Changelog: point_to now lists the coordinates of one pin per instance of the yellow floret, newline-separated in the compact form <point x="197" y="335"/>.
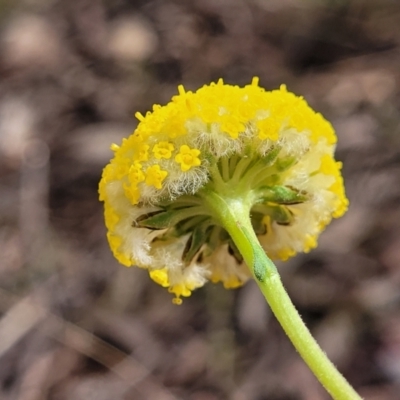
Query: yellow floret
<point x="155" y="176"/>
<point x="268" y="128"/>
<point x="160" y="276"/>
<point x="142" y="152"/>
<point x="163" y="150"/>
<point x="132" y="193"/>
<point x="136" y="174"/>
<point x="232" y="126"/>
<point x="188" y="158"/>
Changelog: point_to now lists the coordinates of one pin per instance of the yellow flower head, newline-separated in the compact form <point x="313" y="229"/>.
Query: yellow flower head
<point x="268" y="150"/>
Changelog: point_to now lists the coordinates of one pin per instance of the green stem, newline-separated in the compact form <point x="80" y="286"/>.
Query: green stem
<point x="233" y="215"/>
<point x="225" y="168"/>
<point x="240" y="168"/>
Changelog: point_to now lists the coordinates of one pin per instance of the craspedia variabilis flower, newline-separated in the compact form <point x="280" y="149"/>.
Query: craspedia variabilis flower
<point x="269" y="149"/>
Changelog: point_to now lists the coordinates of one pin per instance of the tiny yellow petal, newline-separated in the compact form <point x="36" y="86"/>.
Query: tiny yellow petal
<point x="180" y="290"/>
<point x="136" y="174"/>
<point x="142" y="152"/>
<point x="155" y="176"/>
<point x="115" y="243"/>
<point x="139" y="116"/>
<point x="132" y="193"/>
<point x="181" y="90"/>
<point x="160" y="276"/>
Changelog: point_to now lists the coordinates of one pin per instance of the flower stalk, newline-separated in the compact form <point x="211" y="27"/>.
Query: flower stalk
<point x="234" y="216"/>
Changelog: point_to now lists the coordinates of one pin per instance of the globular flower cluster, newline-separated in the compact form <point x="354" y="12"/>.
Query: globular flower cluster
<point x="269" y="149"/>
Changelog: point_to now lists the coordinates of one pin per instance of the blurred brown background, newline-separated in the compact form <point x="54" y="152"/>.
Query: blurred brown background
<point x="75" y="324"/>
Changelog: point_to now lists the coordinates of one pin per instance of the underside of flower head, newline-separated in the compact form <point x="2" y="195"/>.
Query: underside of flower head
<point x="268" y="150"/>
